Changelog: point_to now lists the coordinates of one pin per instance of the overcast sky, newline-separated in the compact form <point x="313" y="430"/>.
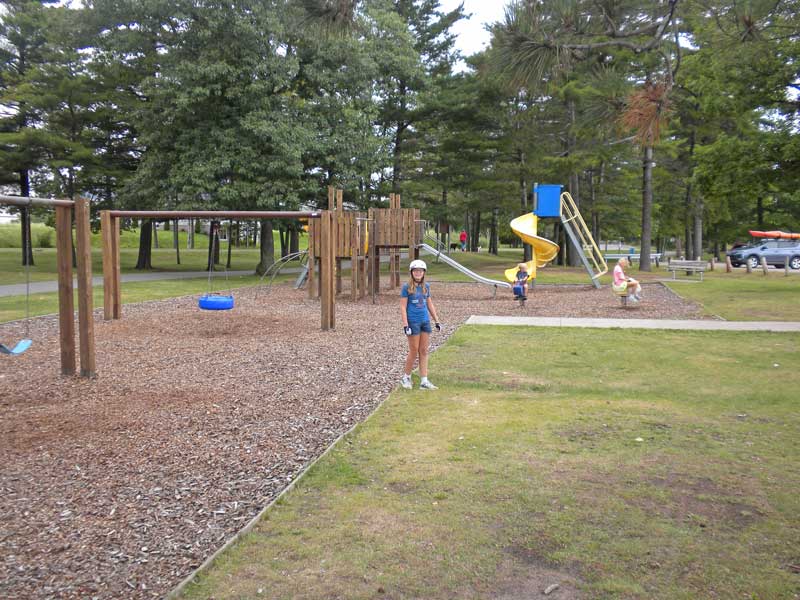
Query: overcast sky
<point x="472" y="37"/>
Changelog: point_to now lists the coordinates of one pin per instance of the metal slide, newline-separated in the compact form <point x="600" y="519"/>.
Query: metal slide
<point x="459" y="267"/>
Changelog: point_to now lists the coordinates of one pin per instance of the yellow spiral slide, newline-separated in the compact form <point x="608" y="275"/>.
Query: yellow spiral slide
<point x="543" y="250"/>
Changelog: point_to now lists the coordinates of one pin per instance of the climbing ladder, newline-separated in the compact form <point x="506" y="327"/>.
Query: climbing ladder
<point x="581" y="237"/>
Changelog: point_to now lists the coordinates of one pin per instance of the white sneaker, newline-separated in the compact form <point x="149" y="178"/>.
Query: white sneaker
<point x="427" y="385"/>
<point x="406" y="382"/>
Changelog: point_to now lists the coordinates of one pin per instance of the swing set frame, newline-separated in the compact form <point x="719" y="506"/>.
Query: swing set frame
<point x="110" y="221"/>
<point x="64" y="210"/>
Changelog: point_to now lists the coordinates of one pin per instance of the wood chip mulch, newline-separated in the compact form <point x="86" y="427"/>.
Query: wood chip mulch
<point x="119" y="487"/>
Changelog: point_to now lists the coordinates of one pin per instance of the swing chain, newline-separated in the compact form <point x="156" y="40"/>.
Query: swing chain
<point x="28" y="250"/>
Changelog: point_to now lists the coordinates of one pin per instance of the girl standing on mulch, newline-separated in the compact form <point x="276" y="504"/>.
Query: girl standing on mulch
<point x="417" y="308"/>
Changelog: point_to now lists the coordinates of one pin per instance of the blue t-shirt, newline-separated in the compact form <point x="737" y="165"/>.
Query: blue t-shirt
<point x="417" y="307"/>
<point x="522" y="276"/>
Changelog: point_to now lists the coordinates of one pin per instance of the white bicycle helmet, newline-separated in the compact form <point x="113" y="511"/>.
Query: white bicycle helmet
<point x="417" y="264"/>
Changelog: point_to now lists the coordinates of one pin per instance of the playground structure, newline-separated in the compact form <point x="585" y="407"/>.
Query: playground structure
<point x="66" y="304"/>
<point x="334" y="235"/>
<point x="362" y="239"/>
<point x="550" y="202"/>
<point x="109" y="219"/>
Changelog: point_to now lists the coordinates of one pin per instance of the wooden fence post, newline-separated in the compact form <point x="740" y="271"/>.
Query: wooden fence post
<point x="764" y="264"/>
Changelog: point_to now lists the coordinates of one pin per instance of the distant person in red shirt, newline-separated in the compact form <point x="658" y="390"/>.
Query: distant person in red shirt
<point x="463" y="239"/>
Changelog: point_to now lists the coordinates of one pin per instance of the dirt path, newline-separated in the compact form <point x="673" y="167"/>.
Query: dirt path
<point x="120" y="486"/>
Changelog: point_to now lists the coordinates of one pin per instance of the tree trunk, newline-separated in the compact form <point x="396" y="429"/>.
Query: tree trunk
<point x="475" y="234"/>
<point x="176" y="242"/>
<point x="155" y="234"/>
<point x="493" y="235"/>
<point x="25" y="219"/>
<point x="144" y="260"/>
<point x="27" y="240"/>
<point x="213" y="246"/>
<point x="698" y="230"/>
<point x="760" y="212"/>
<point x="294" y="241"/>
<point x="230" y="245"/>
<point x="573" y="257"/>
<point x="267" y="247"/>
<point x="647" y="208"/>
<point x="444" y="226"/>
<point x="688" y="247"/>
<point x="527" y="251"/>
<point x="283" y="237"/>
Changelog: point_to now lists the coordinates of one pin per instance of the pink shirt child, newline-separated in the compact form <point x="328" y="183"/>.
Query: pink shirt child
<point x="619" y="276"/>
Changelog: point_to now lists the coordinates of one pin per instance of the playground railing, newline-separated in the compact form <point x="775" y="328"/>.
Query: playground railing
<point x="571" y="215"/>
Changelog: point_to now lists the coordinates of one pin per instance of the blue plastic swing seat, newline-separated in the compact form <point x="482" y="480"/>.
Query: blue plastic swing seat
<point x="215" y="302"/>
<point x="21" y="346"/>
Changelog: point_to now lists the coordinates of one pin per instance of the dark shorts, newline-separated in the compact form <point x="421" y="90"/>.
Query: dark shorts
<point x="417" y="328"/>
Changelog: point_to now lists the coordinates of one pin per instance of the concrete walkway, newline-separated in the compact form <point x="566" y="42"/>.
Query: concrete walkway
<point x="694" y="325"/>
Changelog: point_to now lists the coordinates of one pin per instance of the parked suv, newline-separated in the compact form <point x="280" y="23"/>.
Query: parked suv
<point x="775" y="251"/>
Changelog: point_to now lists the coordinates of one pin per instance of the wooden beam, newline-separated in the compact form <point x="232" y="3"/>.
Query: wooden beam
<point x="83" y="243"/>
<point x="66" y="325"/>
<point x="28" y="201"/>
<point x="215" y="214"/>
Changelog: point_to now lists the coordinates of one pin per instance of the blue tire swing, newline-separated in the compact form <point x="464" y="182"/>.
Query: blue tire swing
<point x="22" y="345"/>
<point x="210" y="300"/>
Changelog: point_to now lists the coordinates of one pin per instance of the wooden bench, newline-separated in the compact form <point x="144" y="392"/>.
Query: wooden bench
<point x="655" y="257"/>
<point x="690" y="266"/>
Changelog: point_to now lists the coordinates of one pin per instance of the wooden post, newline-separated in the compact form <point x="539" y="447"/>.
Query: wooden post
<point x="355" y="253"/>
<point x="66" y="305"/>
<point x="371" y="250"/>
<point x="747" y="265"/>
<point x="764" y="264"/>
<point x="106" y="231"/>
<point x="728" y="265"/>
<point x="327" y="265"/>
<point x="786" y="267"/>
<point x="117" y="267"/>
<point x="712" y="263"/>
<point x="416" y="236"/>
<point x="338" y="225"/>
<point x="83" y="243"/>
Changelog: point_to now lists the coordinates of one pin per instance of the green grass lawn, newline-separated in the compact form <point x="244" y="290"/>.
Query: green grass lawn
<point x="556" y="456"/>
<point x="740" y="296"/>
